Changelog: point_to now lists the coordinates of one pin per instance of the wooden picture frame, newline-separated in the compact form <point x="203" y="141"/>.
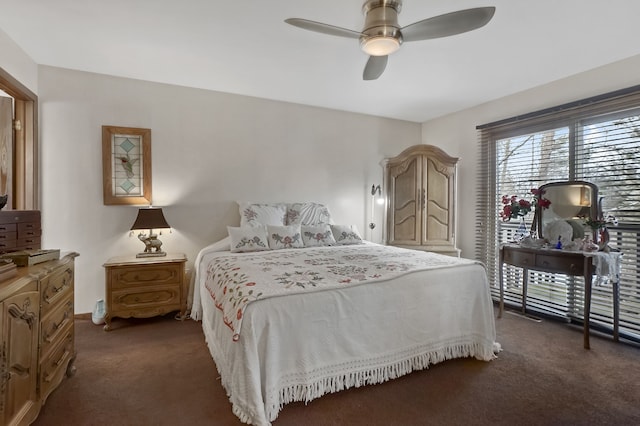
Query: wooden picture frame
<point x="126" y="165"/>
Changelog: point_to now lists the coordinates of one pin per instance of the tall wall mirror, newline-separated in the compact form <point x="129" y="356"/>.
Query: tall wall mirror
<point x="19" y="170"/>
<point x="571" y="203"/>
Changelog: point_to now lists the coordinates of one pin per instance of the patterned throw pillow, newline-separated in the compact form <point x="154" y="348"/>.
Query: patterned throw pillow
<point x="255" y="214"/>
<point x="281" y="237"/>
<point x="346" y="234"/>
<point x="248" y="238"/>
<point x="307" y="214"/>
<point x="316" y="236"/>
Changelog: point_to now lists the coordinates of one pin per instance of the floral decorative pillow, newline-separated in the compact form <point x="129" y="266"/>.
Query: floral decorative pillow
<point x="248" y="238"/>
<point x="307" y="214"/>
<point x="346" y="234"/>
<point x="255" y="214"/>
<point x="316" y="236"/>
<point x="281" y="237"/>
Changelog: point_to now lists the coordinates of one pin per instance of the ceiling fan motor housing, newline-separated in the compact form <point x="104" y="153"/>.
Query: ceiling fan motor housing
<point x="381" y="23"/>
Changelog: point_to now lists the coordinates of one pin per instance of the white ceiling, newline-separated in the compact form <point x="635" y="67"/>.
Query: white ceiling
<point x="244" y="47"/>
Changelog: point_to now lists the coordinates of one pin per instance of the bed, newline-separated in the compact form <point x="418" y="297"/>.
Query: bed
<point x="299" y="319"/>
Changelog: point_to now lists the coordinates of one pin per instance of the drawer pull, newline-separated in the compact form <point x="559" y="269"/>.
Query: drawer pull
<point x="58" y="363"/>
<point x="62" y="322"/>
<point x="55" y="327"/>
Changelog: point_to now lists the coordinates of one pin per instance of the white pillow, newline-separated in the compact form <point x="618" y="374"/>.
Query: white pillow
<point x="284" y="237"/>
<point x="316" y="236"/>
<point x="248" y="238"/>
<point x="346" y="234"/>
<point x="307" y="214"/>
<point x="255" y="214"/>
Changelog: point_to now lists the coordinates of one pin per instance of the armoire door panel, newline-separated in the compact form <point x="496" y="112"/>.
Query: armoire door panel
<point x="437" y="228"/>
<point x="405" y="202"/>
<point x="438" y="209"/>
<point x="406" y="230"/>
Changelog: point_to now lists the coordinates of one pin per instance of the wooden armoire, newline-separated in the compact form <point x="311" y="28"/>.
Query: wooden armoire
<point x="421" y="190"/>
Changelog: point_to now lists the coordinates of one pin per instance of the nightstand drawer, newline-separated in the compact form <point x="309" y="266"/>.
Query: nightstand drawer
<point x="160" y="299"/>
<point x="145" y="275"/>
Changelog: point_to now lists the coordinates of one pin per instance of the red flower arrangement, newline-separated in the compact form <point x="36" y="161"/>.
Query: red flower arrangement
<point x="513" y="208"/>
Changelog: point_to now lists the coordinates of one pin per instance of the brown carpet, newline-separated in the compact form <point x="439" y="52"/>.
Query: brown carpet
<point x="159" y="372"/>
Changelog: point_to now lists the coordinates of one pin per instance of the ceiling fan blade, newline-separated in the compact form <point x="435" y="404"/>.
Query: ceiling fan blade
<point x="448" y="24"/>
<point x="319" y="27"/>
<point x="375" y="67"/>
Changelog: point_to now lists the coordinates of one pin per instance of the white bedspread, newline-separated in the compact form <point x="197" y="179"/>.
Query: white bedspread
<point x="301" y="346"/>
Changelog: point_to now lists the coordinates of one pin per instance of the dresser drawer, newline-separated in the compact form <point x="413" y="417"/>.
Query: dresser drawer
<point x="53" y="366"/>
<point x="56" y="287"/>
<point x="519" y="258"/>
<point x="56" y="324"/>
<point x="6" y="245"/>
<point x="146" y="275"/>
<point x="8" y="230"/>
<point x="29" y="230"/>
<point x="28" y="243"/>
<point x="6" y="237"/>
<point x="560" y="264"/>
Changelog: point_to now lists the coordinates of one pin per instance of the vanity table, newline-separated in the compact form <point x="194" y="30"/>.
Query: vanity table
<point x="574" y="263"/>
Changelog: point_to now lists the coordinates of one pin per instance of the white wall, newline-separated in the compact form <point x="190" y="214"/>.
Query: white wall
<point x="209" y="149"/>
<point x="17" y="63"/>
<point x="457" y="135"/>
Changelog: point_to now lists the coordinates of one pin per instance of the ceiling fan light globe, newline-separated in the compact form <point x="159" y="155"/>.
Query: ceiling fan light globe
<point x="379" y="46"/>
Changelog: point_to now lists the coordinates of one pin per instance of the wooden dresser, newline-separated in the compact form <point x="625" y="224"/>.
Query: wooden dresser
<point x="37" y="340"/>
<point x="19" y="230"/>
<point x="145" y="287"/>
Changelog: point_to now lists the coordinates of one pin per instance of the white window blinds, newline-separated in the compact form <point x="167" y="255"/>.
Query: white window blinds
<point x="597" y="140"/>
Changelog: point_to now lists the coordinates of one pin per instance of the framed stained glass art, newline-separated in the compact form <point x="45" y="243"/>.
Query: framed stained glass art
<point x="126" y="165"/>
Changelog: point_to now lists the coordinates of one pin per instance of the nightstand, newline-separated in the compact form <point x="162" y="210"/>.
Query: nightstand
<point x="144" y="287"/>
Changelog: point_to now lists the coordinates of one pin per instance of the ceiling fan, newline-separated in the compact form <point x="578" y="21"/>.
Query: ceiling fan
<point x="382" y="35"/>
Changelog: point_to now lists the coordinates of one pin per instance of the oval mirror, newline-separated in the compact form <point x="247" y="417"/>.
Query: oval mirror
<point x="572" y="202"/>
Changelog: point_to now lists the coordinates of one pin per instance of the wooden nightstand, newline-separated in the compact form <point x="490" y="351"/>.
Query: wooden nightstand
<point x="144" y="287"/>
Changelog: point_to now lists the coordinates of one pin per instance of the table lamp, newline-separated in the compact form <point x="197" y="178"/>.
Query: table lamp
<point x="150" y="218"/>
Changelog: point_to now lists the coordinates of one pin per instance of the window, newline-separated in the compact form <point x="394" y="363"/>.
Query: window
<point x="596" y="140"/>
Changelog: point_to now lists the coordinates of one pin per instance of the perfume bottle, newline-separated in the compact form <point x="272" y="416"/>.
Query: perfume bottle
<point x="559" y="243"/>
